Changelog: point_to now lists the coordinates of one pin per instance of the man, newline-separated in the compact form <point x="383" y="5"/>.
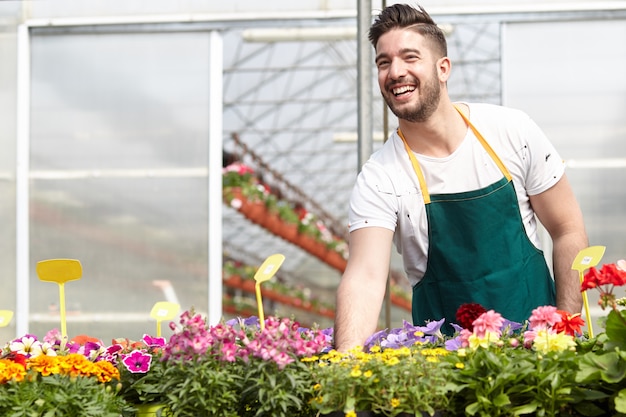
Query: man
<point x="456" y="188"/>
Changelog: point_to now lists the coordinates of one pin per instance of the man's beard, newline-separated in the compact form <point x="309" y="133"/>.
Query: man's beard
<point x="429" y="95"/>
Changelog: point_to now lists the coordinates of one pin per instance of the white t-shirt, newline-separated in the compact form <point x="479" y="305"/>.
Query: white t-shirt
<point x="387" y="193"/>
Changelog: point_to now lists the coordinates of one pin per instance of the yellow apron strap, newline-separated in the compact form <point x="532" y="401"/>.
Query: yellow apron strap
<point x="481" y="139"/>
<point x="417" y="169"/>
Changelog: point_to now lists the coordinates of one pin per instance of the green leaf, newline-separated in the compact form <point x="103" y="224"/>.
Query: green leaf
<point x="620" y="401"/>
<point x="616" y="329"/>
<point x="501" y="400"/>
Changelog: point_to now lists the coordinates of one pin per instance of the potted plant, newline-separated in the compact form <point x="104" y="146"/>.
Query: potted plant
<point x="239" y="368"/>
<point x="49" y="378"/>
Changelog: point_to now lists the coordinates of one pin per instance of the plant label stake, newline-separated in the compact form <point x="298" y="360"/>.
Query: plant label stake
<point x="5" y="317"/>
<point x="264" y="273"/>
<point x="163" y="310"/>
<point x="585" y="259"/>
<point x="60" y="271"/>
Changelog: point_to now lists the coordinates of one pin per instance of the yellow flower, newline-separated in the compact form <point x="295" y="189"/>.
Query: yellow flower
<point x="367" y="374"/>
<point x="356" y="372"/>
<point x="395" y="402"/>
<point x="475" y="342"/>
<point x="392" y="361"/>
<point x="459" y="365"/>
<point x="546" y="341"/>
<point x="351" y="413"/>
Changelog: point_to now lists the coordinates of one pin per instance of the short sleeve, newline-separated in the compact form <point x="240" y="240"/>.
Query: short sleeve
<point x="546" y="165"/>
<point x="373" y="201"/>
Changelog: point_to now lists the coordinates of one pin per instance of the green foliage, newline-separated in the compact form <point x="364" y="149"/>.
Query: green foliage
<point x="143" y="388"/>
<point x="514" y="382"/>
<point x="270" y="392"/>
<point x="389" y="383"/>
<point x="206" y="388"/>
<point x="60" y="396"/>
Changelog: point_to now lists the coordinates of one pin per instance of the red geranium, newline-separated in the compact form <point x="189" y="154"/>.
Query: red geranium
<point x="609" y="274"/>
<point x="467" y="313"/>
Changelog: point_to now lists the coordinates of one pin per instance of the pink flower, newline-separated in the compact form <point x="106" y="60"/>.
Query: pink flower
<point x="153" y="341"/>
<point x="137" y="362"/>
<point x="489" y="321"/>
<point x="282" y="359"/>
<point x="544" y="317"/>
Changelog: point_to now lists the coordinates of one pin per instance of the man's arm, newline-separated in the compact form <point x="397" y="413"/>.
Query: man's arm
<point x="362" y="288"/>
<point x="558" y="211"/>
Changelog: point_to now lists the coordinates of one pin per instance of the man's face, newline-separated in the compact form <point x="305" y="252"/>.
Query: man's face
<point x="407" y="74"/>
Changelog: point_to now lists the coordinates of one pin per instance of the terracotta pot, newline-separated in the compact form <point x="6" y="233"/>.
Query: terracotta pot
<point x="401" y="302"/>
<point x="335" y="260"/>
<point x="233" y="281"/>
<point x="273" y="223"/>
<point x="289" y="232"/>
<point x="255" y="211"/>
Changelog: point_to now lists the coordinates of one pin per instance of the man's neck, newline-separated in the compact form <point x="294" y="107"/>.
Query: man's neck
<point x="440" y="135"/>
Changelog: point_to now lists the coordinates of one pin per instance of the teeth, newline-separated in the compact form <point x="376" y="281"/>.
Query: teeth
<point x="403" y="89"/>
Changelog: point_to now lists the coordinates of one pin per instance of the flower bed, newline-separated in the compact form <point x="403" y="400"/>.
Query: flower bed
<point x="491" y="367"/>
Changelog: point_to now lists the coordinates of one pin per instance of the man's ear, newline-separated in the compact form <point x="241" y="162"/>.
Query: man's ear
<point x="444" y="67"/>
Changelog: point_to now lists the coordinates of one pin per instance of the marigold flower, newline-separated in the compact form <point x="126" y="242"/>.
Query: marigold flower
<point x="10" y="370"/>
<point x="45" y="365"/>
<point x="106" y="371"/>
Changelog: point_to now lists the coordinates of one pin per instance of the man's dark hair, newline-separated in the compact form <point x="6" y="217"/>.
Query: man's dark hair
<point x="404" y="16"/>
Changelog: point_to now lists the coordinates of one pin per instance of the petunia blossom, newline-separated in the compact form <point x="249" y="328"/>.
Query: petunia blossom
<point x="137" y="362"/>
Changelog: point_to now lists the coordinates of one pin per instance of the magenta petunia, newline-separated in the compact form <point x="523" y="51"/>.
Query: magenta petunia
<point x="137" y="362"/>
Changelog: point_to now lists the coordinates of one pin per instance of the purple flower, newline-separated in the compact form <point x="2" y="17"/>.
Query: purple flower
<point x="137" y="362"/>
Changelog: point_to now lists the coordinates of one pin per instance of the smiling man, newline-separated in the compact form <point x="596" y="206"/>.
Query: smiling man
<point x="458" y="189"/>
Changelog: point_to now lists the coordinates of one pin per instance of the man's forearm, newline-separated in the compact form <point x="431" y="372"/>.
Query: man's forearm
<point x="356" y="315"/>
<point x="567" y="281"/>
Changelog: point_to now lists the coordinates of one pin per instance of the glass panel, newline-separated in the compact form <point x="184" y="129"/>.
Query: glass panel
<point x="569" y="77"/>
<point x="118" y="160"/>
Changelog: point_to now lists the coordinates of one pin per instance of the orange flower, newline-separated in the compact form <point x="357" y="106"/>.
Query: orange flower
<point x="45" y="365"/>
<point x="106" y="371"/>
<point x="10" y="370"/>
<point x="569" y="324"/>
<point x="75" y="364"/>
<point x="81" y="339"/>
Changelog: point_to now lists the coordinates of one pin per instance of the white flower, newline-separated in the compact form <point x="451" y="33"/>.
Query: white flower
<point x="27" y="346"/>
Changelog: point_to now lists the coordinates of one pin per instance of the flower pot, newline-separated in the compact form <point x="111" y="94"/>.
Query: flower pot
<point x="289" y="232"/>
<point x="254" y="211"/>
<point x="152" y="410"/>
<point x="335" y="260"/>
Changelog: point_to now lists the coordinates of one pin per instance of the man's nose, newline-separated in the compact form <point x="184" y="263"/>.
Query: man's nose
<point x="397" y="69"/>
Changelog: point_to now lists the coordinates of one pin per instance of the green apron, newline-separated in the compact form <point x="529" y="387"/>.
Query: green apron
<point x="479" y="252"/>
